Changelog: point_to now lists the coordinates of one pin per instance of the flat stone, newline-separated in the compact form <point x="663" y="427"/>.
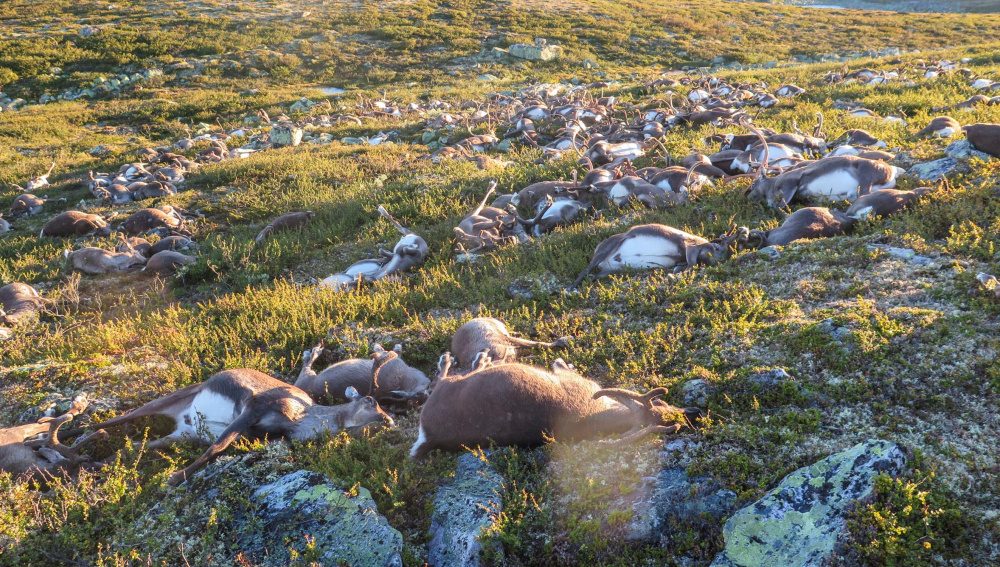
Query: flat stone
<point x="934" y="170"/>
<point x="963" y="149"/>
<point x="798" y="523"/>
<point x="906" y="254"/>
<point x="462" y="509"/>
<point x="769" y="378"/>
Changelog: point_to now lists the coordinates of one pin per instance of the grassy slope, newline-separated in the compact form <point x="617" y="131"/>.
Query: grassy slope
<point x="918" y="365"/>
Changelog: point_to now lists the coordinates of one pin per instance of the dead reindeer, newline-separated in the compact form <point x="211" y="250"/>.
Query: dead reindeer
<point x="161" y="220"/>
<point x="809" y="222"/>
<point x="96" y="261"/>
<point x="657" y="246"/>
<point x="384" y="376"/>
<point x="703" y="165"/>
<point x="486" y="228"/>
<point x="941" y="127"/>
<point x="885" y="202"/>
<point x="4" y="225"/>
<point x="136" y="243"/>
<point x="176" y="243"/>
<point x="552" y="214"/>
<point x="984" y="137"/>
<point x="287" y="221"/>
<point x="834" y="179"/>
<point x="75" y="223"/>
<point x="19" y="304"/>
<point x="27" y="204"/>
<point x="409" y="252"/>
<point x="245" y="402"/>
<point x="167" y="262"/>
<point x="630" y="187"/>
<point x="21" y="454"/>
<point x="36" y="183"/>
<point x="490" y="336"/>
<point x="520" y="405"/>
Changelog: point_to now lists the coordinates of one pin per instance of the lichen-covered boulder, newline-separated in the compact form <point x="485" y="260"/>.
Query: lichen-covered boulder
<point x="260" y="508"/>
<point x="798" y="523"/>
<point x="934" y="170"/>
<point x="285" y="135"/>
<point x="462" y="508"/>
<point x="540" y="51"/>
<point x="344" y="527"/>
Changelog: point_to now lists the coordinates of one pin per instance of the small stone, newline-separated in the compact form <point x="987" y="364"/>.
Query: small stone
<point x="770" y="252"/>
<point x="837" y="332"/>
<point x="906" y="254"/>
<point x="285" y="135"/>
<point x="486" y="77"/>
<point x="696" y="392"/>
<point x="769" y="378"/>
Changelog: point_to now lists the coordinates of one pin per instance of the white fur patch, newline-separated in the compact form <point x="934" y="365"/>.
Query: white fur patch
<point x="894" y="172"/>
<point x="210" y="413"/>
<point x="863" y="213"/>
<point x="836" y="186"/>
<point x="643" y="252"/>
<point x="945" y="132"/>
<point x="421" y="439"/>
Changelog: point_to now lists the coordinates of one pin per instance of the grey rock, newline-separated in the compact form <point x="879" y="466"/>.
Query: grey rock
<point x="798" y="523"/>
<point x="486" y="77"/>
<point x="676" y="500"/>
<point x="906" y="254"/>
<point x="462" y="509"/>
<point x="769" y="378"/>
<point x="540" y="51"/>
<point x="260" y="506"/>
<point x="285" y="135"/>
<point x="934" y="170"/>
<point x="346" y="528"/>
<point x="770" y="252"/>
<point x="837" y="332"/>
<point x="696" y="392"/>
<point x="963" y="150"/>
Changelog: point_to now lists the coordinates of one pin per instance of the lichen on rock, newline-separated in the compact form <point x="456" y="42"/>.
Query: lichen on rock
<point x="799" y="522"/>
<point x="462" y="509"/>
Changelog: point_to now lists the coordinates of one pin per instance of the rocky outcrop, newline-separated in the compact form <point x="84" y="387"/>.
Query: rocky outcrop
<point x="258" y="506"/>
<point x="540" y="51"/>
<point x="462" y="508"/>
<point x="799" y="522"/>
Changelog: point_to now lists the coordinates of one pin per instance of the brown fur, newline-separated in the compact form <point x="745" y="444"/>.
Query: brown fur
<point x="75" y="223"/>
<point x="287" y="221"/>
<point x="516" y="404"/>
<point x="809" y="222"/>
<point x="19" y="302"/>
<point x="984" y="137"/>
<point x="491" y="335"/>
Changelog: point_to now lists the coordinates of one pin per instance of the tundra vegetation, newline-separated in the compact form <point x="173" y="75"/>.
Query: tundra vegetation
<point x="877" y="345"/>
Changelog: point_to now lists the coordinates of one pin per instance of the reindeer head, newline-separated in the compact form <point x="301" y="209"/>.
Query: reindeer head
<point x="363" y="411"/>
<point x="651" y="414"/>
<point x="719" y="249"/>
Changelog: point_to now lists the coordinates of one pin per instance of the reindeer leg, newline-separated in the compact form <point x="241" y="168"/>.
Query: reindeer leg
<point x="231" y="434"/>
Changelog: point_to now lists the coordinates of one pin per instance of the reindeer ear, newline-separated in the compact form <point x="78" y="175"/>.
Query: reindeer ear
<point x="351" y="393"/>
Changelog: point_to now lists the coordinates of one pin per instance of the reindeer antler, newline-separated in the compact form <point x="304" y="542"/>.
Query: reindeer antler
<point x="385" y="214"/>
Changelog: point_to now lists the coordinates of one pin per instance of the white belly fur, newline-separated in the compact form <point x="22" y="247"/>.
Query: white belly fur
<point x="210" y="414"/>
<point x="836" y="186"/>
<point x="642" y="252"/>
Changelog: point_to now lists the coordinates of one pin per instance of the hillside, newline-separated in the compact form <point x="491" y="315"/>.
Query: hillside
<point x="793" y="353"/>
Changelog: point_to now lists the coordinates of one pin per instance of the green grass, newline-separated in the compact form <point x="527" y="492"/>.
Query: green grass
<point x="917" y="363"/>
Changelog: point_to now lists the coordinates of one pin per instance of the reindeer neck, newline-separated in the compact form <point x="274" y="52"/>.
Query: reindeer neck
<point x="319" y="419"/>
<point x="615" y="419"/>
